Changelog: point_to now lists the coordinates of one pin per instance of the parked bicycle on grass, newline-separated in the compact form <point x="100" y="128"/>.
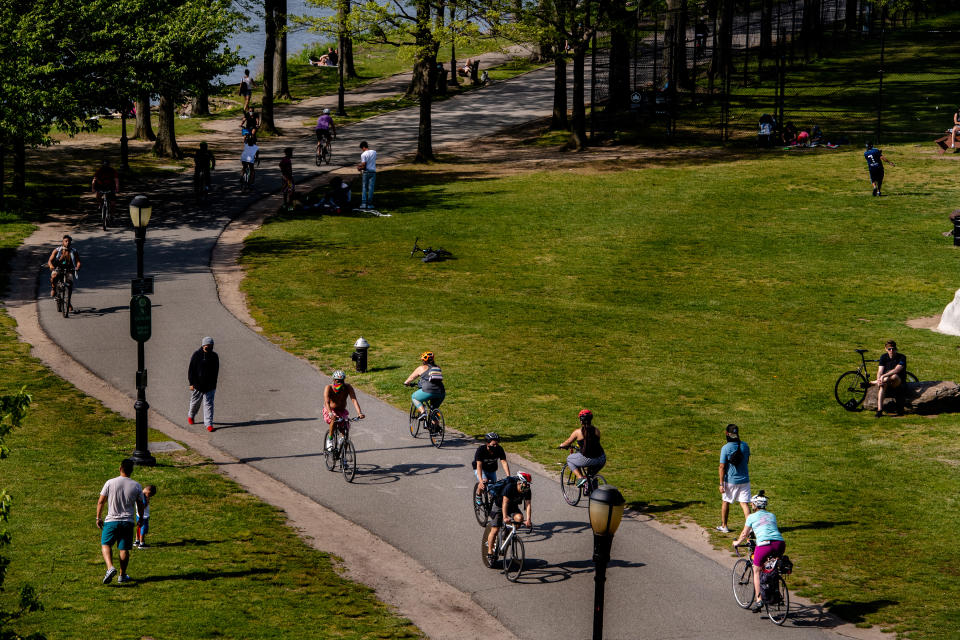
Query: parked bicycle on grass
<point x="851" y="387"/>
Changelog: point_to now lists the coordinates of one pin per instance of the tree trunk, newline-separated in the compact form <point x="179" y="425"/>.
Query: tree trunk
<point x="200" y="105"/>
<point x="144" y="128"/>
<point x="850" y="19"/>
<point x="558" y="120"/>
<point x="619" y="82"/>
<point x="722" y="54"/>
<point x="20" y="167"/>
<point x="424" y="71"/>
<point x="3" y="177"/>
<point x="346" y="48"/>
<point x="766" y="28"/>
<point x="166" y="144"/>
<point x="280" y="55"/>
<point x="578" y="125"/>
<point x="810" y="26"/>
<point x="675" y="43"/>
<point x="269" y="53"/>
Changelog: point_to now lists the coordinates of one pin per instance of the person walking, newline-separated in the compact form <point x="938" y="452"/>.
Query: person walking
<point x="368" y="172"/>
<point x="246" y="88"/>
<point x="202" y="377"/>
<point x="286" y="178"/>
<point x="123" y="498"/>
<point x="734" y="476"/>
<point x="875" y="162"/>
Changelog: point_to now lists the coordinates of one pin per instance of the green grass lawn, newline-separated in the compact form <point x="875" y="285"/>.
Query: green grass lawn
<point x="671" y="300"/>
<point x="210" y="541"/>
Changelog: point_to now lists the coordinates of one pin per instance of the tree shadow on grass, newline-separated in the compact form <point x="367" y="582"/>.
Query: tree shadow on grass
<point x="207" y="575"/>
<point x="661" y="506"/>
<point x="818" y="524"/>
<point x="185" y="542"/>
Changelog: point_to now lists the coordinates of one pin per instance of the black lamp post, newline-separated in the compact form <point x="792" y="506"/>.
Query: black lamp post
<point x="140" y="211"/>
<point x="606" y="511"/>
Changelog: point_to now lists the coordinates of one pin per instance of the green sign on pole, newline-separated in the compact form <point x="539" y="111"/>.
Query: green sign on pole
<point x="140" y="318"/>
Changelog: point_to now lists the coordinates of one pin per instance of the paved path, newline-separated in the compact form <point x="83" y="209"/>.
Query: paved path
<point x="407" y="492"/>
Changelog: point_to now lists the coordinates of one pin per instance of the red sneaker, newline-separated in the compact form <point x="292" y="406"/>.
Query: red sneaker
<point x="189" y="420"/>
<point x="209" y="427"/>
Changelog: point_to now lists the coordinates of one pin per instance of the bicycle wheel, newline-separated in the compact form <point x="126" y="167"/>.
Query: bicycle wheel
<point x="743" y="583"/>
<point x="329" y="456"/>
<point x="437" y="429"/>
<point x="66" y="304"/>
<point x="105" y="213"/>
<point x="319" y="157"/>
<point x="58" y="296"/>
<point x="911" y="377"/>
<point x="850" y="390"/>
<point x="327" y="154"/>
<point x="568" y="486"/>
<point x="481" y="505"/>
<point x="348" y="460"/>
<point x="414" y="421"/>
<point x="778" y="611"/>
<point x="513" y="557"/>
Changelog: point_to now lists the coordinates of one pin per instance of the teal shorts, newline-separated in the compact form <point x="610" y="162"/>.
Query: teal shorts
<point x="119" y="532"/>
<point x="420" y="396"/>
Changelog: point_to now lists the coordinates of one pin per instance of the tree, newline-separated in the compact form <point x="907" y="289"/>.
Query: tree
<point x="269" y="52"/>
<point x="282" y="86"/>
<point x="13" y="409"/>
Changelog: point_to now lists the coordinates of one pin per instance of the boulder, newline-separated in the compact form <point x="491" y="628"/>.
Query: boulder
<point x="935" y="396"/>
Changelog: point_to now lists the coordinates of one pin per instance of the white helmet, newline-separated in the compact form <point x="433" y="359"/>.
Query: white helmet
<point x="339" y="375"/>
<point x="759" y="501"/>
<point x="326" y="112"/>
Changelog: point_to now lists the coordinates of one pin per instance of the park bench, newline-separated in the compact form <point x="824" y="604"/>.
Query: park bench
<point x="942" y="143"/>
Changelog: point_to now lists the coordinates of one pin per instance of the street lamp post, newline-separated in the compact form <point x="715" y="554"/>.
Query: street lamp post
<point x="606" y="511"/>
<point x="140" y="211"/>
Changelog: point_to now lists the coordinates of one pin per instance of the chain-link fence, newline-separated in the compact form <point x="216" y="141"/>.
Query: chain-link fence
<point x="714" y="69"/>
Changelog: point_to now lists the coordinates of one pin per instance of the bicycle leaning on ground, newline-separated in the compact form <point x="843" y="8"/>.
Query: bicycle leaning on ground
<point x="430" y="421"/>
<point x="343" y="451"/>
<point x="572" y="492"/>
<point x="851" y="387"/>
<point x="508" y="549"/>
<point x="777" y="599"/>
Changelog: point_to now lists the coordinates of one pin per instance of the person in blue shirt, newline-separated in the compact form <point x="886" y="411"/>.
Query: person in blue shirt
<point x="734" y="476"/>
<point x="875" y="160"/>
<point x="769" y="540"/>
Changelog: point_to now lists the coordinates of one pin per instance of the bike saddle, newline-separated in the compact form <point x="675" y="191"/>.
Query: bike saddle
<point x="861" y="350"/>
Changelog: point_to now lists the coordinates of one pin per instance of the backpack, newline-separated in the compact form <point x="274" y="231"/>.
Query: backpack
<point x="786" y="565"/>
<point x="736" y="457"/>
<point x="496" y="489"/>
<point x="770" y="585"/>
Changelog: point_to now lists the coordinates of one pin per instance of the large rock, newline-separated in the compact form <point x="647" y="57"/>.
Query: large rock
<point x="950" y="320"/>
<point x="920" y="397"/>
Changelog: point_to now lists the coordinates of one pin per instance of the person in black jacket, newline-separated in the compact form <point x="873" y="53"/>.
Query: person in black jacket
<point x="202" y="376"/>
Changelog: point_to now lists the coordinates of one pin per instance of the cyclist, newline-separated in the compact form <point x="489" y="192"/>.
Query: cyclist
<point x="591" y="453"/>
<point x="486" y="458"/>
<point x="250" y="154"/>
<point x="249" y="122"/>
<point x="203" y="164"/>
<point x="64" y="260"/>
<point x="286" y="177"/>
<point x="430" y="383"/>
<point x="105" y="179"/>
<point x="335" y="397"/>
<point x="325" y="128"/>
<point x="770" y="543"/>
<point x="507" y="501"/>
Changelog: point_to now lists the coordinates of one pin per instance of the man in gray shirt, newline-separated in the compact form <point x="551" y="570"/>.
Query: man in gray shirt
<point x="124" y="501"/>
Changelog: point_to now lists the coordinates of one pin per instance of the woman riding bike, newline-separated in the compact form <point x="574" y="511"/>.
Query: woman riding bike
<point x="770" y="542"/>
<point x="430" y="383"/>
<point x="591" y="454"/>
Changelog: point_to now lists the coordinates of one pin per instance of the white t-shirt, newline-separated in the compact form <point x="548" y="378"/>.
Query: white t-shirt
<point x="369" y="159"/>
<point x="247" y="80"/>
<point x="122" y="495"/>
<point x="249" y="153"/>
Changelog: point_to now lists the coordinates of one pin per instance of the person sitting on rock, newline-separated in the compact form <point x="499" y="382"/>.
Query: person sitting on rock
<point x="891" y="376"/>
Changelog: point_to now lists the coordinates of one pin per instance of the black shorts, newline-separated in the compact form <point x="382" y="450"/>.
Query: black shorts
<point x="496" y="513"/>
<point x="876" y="174"/>
<point x="323" y="133"/>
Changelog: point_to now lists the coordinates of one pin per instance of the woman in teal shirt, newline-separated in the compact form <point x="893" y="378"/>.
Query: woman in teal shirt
<point x="770" y="542"/>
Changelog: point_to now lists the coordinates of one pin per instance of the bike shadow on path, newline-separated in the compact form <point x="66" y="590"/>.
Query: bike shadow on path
<point x="546" y="530"/>
<point x="538" y="571"/>
<point x="375" y="474"/>
<point x="254" y="423"/>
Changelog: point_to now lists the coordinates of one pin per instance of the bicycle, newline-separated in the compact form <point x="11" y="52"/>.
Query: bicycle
<point x="246" y="177"/>
<point x="569" y="483"/>
<point x="61" y="294"/>
<point x="778" y="607"/>
<point x="851" y="387"/>
<point x="343" y="451"/>
<point x="324" y="152"/>
<point x="507" y="550"/>
<point x="201" y="186"/>
<point x="106" y="213"/>
<point x="482" y="504"/>
<point x="429" y="254"/>
<point x="430" y="420"/>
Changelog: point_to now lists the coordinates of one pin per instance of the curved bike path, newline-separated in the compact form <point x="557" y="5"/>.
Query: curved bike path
<point x="406" y="492"/>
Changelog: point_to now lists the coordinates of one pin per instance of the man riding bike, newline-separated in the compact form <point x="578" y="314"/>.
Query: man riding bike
<point x="325" y="128"/>
<point x="506" y="503"/>
<point x="430" y="383"/>
<point x="65" y="261"/>
<point x="335" y="397"/>
<point x="203" y="164"/>
<point x="486" y="460"/>
<point x="105" y="179"/>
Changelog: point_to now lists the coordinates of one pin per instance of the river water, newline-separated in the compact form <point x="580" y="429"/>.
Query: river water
<point x="251" y="44"/>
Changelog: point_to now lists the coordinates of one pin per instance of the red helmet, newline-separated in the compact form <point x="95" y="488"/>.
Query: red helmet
<point x="586" y="415"/>
<point x="524" y="477"/>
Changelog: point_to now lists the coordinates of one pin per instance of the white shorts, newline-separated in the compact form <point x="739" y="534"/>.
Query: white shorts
<point x="736" y="492"/>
